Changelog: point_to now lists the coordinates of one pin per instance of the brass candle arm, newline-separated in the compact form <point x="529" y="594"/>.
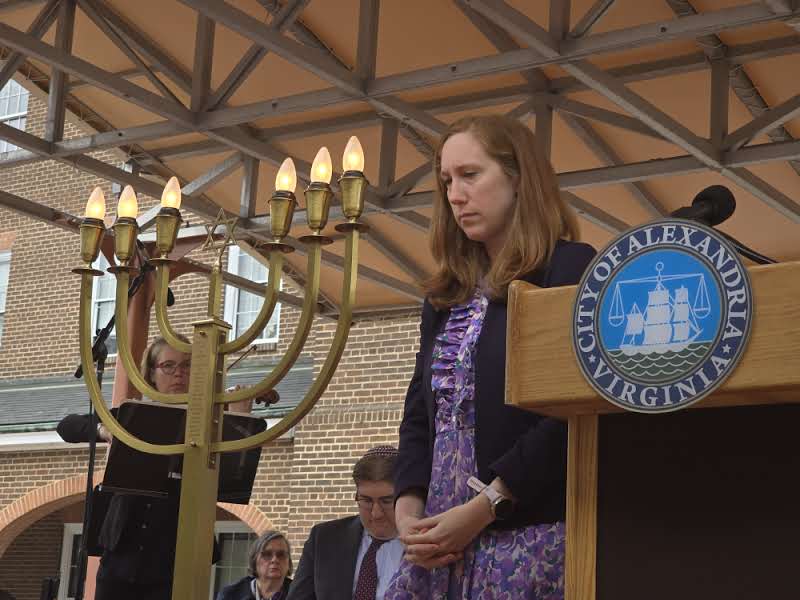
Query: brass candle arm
<point x="267" y="307"/>
<point x="328" y="368"/>
<point x="95" y="393"/>
<point x="124" y="347"/>
<point x="164" y="326"/>
<point x="298" y="340"/>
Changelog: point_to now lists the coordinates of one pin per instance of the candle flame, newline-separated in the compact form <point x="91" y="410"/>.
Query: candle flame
<point x="96" y="206"/>
<point x="128" y="206"/>
<point x="286" y="180"/>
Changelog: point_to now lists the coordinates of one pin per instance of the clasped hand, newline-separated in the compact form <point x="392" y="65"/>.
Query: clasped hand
<point x="440" y="540"/>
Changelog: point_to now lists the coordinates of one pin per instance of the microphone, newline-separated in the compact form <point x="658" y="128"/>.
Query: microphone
<point x="710" y="206"/>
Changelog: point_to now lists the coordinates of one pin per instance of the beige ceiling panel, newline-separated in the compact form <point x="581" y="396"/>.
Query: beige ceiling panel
<point x="770" y="78"/>
<point x="593" y="234"/>
<point x="172" y="24"/>
<point x="448" y="90"/>
<point x="20" y="18"/>
<point x="423" y="30"/>
<point x="325" y="112"/>
<point x="274" y="77"/>
<point x="619" y="202"/>
<point x="118" y="112"/>
<point x="186" y="138"/>
<point x="412" y="242"/>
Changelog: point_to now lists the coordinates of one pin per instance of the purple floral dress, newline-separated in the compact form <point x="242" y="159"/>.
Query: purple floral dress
<point x="520" y="564"/>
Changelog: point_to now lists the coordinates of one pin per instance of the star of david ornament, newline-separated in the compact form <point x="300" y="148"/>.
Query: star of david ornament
<point x="228" y="238"/>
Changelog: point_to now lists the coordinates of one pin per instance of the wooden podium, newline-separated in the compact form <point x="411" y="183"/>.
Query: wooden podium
<point x="692" y="504"/>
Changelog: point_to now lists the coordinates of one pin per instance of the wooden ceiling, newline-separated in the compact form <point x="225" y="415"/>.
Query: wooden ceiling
<point x="645" y="103"/>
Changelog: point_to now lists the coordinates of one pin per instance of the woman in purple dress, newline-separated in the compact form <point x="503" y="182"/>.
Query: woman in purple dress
<point x="481" y="485"/>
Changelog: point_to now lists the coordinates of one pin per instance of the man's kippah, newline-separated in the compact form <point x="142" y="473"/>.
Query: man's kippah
<point x="389" y="451"/>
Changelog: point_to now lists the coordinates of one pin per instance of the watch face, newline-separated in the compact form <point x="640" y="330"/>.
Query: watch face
<point x="503" y="509"/>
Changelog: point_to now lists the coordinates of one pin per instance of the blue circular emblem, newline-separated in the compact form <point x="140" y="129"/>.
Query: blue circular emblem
<point x="662" y="316"/>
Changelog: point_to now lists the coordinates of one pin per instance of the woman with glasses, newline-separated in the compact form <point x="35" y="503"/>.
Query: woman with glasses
<point x="139" y="533"/>
<point x="269" y="566"/>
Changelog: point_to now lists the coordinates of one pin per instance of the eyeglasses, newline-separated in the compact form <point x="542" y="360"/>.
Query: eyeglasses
<point x="169" y="367"/>
<point x="268" y="555"/>
<point x="365" y="502"/>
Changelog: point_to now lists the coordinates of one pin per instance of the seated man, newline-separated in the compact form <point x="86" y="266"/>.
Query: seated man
<point x="355" y="557"/>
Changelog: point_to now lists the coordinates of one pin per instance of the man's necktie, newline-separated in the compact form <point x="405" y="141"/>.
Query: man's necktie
<point x="367" y="584"/>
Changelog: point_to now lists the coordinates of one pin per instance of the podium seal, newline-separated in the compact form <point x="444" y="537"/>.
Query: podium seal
<point x="662" y="316"/>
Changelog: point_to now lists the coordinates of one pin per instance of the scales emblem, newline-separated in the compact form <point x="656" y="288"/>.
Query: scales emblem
<point x="662" y="316"/>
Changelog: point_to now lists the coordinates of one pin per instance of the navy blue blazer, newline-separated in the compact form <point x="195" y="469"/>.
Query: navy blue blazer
<point x="526" y="450"/>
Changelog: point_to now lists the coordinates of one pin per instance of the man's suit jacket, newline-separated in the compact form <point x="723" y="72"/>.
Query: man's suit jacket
<point x="328" y="562"/>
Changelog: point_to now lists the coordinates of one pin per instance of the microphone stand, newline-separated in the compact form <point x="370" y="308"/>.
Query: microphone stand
<point x="99" y="356"/>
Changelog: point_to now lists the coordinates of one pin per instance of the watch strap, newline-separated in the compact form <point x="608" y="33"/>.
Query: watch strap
<point x="492" y="494"/>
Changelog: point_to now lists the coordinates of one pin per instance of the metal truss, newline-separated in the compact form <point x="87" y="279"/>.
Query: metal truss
<point x="522" y="45"/>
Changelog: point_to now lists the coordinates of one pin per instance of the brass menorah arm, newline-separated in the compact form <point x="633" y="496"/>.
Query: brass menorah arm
<point x="124" y="347"/>
<point x="331" y="360"/>
<point x="267" y="308"/>
<point x="298" y="340"/>
<point x="164" y="326"/>
<point x="90" y="376"/>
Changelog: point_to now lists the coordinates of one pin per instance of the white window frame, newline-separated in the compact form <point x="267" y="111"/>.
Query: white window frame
<point x="102" y="264"/>
<point x="5" y="258"/>
<point x="73" y="529"/>
<point x="16" y="119"/>
<point x="70" y="531"/>
<point x="232" y="295"/>
<point x="225" y="527"/>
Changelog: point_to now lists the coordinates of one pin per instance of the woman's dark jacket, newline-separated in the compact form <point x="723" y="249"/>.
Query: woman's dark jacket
<point x="241" y="590"/>
<point x="526" y="450"/>
<point x="139" y="533"/>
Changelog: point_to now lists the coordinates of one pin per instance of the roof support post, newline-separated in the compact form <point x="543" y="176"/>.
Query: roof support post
<point x="720" y="92"/>
<point x="249" y="196"/>
<point x="203" y="59"/>
<point x="54" y="125"/>
<point x="388" y="153"/>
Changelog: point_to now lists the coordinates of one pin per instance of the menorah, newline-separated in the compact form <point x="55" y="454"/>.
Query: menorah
<point x="206" y="398"/>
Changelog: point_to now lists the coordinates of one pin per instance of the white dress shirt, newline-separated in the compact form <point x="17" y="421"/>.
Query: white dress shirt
<point x="387" y="559"/>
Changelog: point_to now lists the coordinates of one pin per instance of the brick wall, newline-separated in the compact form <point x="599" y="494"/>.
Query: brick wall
<point x="300" y="481"/>
<point x="34" y="555"/>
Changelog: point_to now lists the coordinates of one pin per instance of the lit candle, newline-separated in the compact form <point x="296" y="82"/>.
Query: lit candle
<point x="96" y="206"/>
<point x="322" y="168"/>
<point x="353" y="159"/>
<point x="286" y="180"/>
<point x="128" y="206"/>
<point x="171" y="196"/>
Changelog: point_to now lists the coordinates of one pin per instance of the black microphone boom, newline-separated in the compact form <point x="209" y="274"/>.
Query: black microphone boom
<point x="711" y="206"/>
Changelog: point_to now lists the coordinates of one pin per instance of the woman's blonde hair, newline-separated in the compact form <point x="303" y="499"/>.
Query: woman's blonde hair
<point x="540" y="216"/>
<point x="150" y="356"/>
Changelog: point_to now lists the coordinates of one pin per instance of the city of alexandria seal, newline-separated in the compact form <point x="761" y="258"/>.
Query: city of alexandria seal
<point x="662" y="316"/>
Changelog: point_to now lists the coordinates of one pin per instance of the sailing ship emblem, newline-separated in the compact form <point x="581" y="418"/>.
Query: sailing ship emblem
<point x="669" y="322"/>
<point x="654" y="326"/>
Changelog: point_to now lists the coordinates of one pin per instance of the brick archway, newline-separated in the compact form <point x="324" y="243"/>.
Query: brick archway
<point x="248" y="514"/>
<point x="36" y="504"/>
